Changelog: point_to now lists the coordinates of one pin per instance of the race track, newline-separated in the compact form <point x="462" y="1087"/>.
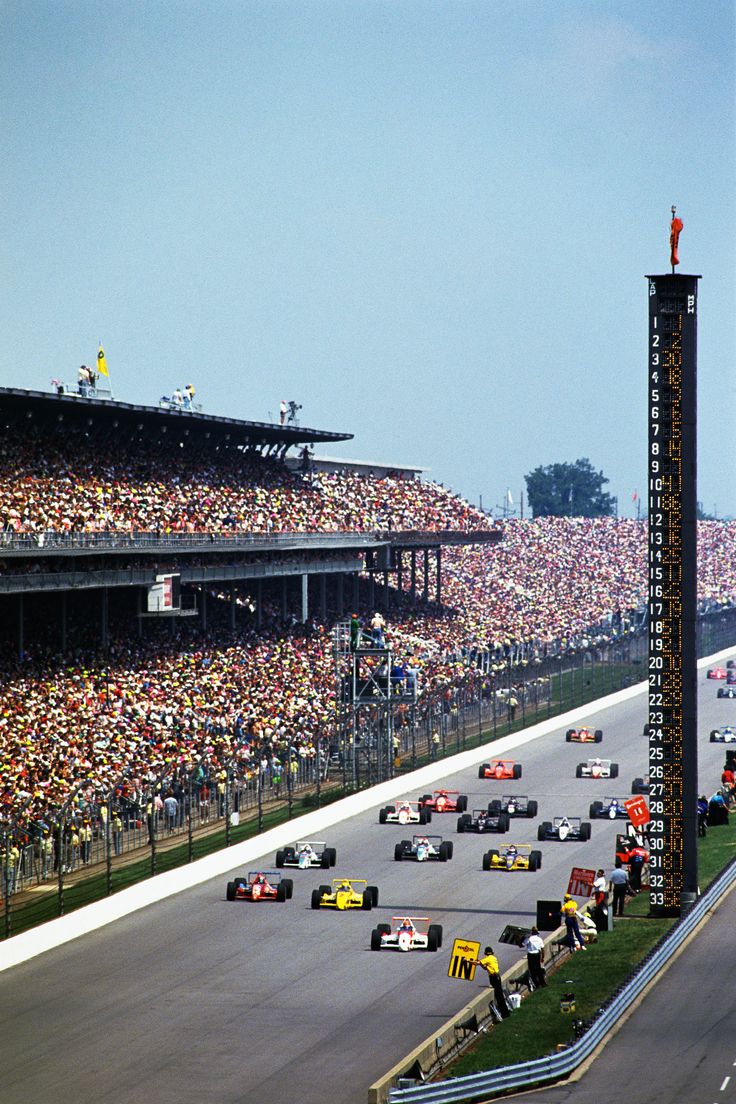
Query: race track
<point x="196" y="999"/>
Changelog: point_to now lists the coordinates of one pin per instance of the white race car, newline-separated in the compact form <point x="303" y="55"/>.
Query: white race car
<point x="307" y="853"/>
<point x="597" y="768"/>
<point x="423" y="849"/>
<point x="404" y="812"/>
<point x="407" y="933"/>
<point x="724" y="735"/>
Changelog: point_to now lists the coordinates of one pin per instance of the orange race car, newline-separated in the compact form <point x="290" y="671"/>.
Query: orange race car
<point x="500" y="768"/>
<point x="584" y="735"/>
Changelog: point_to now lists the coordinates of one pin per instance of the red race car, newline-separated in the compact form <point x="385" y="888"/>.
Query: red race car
<point x="500" y="768"/>
<point x="258" y="885"/>
<point x="584" y="735"/>
<point x="717" y="673"/>
<point x="444" y="801"/>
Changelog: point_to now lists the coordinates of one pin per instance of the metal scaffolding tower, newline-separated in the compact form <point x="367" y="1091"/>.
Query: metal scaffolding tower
<point x="369" y="686"/>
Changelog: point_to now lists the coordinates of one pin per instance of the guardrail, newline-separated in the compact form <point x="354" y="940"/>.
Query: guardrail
<point x="46" y="543"/>
<point x="554" y="1067"/>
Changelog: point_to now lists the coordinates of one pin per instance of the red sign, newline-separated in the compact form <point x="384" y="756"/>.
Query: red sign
<point x="581" y="882"/>
<point x="638" y="810"/>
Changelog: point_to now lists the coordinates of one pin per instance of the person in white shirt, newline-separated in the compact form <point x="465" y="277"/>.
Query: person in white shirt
<point x="534" y="947"/>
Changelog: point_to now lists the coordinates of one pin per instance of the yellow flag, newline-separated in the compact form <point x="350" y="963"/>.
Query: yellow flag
<point x="102" y="363"/>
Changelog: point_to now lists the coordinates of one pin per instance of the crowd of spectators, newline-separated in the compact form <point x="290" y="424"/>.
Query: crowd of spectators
<point x="54" y="484"/>
<point x="173" y="702"/>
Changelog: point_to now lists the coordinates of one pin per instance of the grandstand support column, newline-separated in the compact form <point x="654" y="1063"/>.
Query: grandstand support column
<point x="356" y="590"/>
<point x="204" y="608"/>
<point x="340" y="593"/>
<point x="139" y="609"/>
<point x="399" y="572"/>
<point x="232" y="607"/>
<point x="372" y="591"/>
<point x="259" y="602"/>
<point x="305" y="598"/>
<point x="21" y="645"/>
<point x="413" y="576"/>
<point x="104" y="636"/>
<point x="63" y="622"/>
<point x="386" y="599"/>
<point x="323" y="597"/>
<point x="426" y="574"/>
<point x="438" y="590"/>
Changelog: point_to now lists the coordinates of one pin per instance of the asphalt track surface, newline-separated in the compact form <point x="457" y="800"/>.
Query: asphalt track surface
<point x="195" y="999"/>
<point x="679" y="1046"/>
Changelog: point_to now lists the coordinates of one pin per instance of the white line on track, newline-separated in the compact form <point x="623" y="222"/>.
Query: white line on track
<point x="725" y="1082"/>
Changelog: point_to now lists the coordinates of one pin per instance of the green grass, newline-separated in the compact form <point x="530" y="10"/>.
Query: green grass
<point x="538" y="1027"/>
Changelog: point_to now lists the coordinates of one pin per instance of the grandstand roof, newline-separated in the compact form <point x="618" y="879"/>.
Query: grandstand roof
<point x="17" y="404"/>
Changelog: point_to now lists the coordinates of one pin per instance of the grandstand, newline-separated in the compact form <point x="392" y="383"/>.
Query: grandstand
<point x="105" y="709"/>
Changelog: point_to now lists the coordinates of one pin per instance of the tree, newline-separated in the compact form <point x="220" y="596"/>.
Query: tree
<point x="568" y="490"/>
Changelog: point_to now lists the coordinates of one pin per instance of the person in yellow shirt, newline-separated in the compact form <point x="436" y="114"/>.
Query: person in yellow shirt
<point x="489" y="962"/>
<point x="570" y="916"/>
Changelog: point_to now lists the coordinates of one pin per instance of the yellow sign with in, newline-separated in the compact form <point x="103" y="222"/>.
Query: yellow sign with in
<point x="462" y="959"/>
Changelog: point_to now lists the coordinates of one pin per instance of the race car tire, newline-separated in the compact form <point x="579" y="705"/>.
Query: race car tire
<point x="398" y="852"/>
<point x="595" y="809"/>
<point x="598" y="735"/>
<point x="437" y="930"/>
<point x="385" y="929"/>
<point x="646" y="729"/>
<point x="532" y="809"/>
<point x="482" y="769"/>
<point x="504" y="822"/>
<point x="425" y="798"/>
<point x="637" y="786"/>
<point x="442" y="853"/>
<point x="382" y="814"/>
<point x="462" y="803"/>
<point x="450" y="849"/>
<point x="569" y="735"/>
<point x="289" y="886"/>
<point x="289" y="853"/>
<point x="585" y="830"/>
<point x="579" y="770"/>
<point x="494" y="807"/>
<point x="373" y="892"/>
<point x="325" y="860"/>
<point x="281" y="892"/>
<point x="333" y="855"/>
<point x="375" y="940"/>
<point x="533" y="861"/>
<point x="279" y="859"/>
<point x="731" y="664"/>
<point x="713" y="737"/>
<point x="431" y="940"/>
<point x="537" y="857"/>
<point x="425" y="816"/>
<point x="230" y="892"/>
<point x="486" y="864"/>
<point x="614" y="770"/>
<point x="463" y="822"/>
<point x="367" y="903"/>
<point x="543" y="829"/>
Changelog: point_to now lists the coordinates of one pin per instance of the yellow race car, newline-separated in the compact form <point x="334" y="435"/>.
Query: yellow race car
<point x="517" y="856"/>
<point x="344" y="895"/>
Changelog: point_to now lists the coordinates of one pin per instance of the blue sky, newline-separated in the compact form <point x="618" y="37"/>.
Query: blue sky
<point x="428" y="222"/>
